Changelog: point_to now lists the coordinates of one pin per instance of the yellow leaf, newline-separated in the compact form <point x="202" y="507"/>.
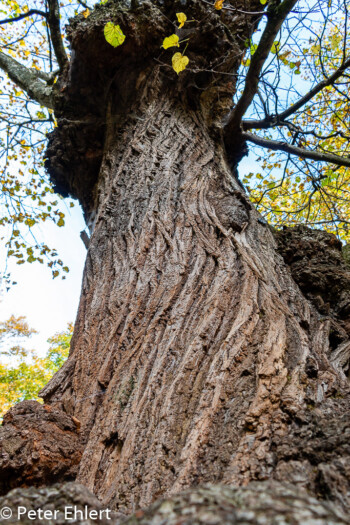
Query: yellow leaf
<point x="179" y="62"/>
<point x="181" y="17"/>
<point x="218" y="4"/>
<point x="171" y="41"/>
<point x="113" y="34"/>
<point x="86" y="13"/>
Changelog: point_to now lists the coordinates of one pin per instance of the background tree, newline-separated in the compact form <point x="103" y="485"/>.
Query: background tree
<point x="292" y="190"/>
<point x="22" y="372"/>
<point x="195" y="356"/>
<point x="27" y="198"/>
<point x="14" y="329"/>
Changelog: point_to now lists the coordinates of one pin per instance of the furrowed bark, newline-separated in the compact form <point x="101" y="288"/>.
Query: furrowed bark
<point x="195" y="340"/>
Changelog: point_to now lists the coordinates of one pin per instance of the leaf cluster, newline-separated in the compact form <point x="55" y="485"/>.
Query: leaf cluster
<point x="22" y="372"/>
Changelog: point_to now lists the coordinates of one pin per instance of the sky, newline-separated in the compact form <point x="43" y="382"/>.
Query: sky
<point x="48" y="304"/>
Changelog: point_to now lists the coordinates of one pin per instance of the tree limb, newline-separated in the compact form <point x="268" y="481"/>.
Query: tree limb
<point x="294" y="150"/>
<point x="53" y="18"/>
<point x="276" y="16"/>
<point x="23" y="15"/>
<point x="83" y="4"/>
<point x="28" y="80"/>
<point x="275" y="120"/>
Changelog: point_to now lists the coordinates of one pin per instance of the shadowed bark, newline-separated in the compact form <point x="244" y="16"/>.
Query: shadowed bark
<point x="38" y="446"/>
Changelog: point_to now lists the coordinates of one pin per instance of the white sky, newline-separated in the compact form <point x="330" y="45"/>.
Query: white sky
<point x="48" y="304"/>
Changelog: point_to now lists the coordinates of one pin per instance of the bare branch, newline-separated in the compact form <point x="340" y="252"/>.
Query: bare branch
<point x="276" y="17"/>
<point x="31" y="12"/>
<point x="294" y="150"/>
<point x="53" y="18"/>
<point x="28" y="80"/>
<point x="83" y="4"/>
<point x="276" y="120"/>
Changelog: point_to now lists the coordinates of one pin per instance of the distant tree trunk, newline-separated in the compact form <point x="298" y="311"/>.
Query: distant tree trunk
<point x="195" y="358"/>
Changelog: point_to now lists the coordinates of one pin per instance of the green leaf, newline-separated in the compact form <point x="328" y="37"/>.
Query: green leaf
<point x="275" y="47"/>
<point x="113" y="34"/>
<point x="253" y="48"/>
<point x="326" y="182"/>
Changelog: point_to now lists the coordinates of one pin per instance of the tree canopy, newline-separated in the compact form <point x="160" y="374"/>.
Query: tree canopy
<point x="22" y="372"/>
<point x="291" y="108"/>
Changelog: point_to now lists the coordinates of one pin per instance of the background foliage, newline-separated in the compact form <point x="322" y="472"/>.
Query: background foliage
<point x="288" y="189"/>
<point x="22" y="372"/>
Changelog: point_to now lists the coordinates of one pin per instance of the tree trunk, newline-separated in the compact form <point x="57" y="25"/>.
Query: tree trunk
<point x="195" y="357"/>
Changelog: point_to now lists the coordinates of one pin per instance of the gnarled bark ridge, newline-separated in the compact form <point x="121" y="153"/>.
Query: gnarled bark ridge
<point x="195" y="355"/>
<point x="39" y="445"/>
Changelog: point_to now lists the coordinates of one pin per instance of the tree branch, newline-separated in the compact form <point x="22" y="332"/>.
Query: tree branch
<point x="53" y="18"/>
<point x="83" y="4"/>
<point x="275" y="120"/>
<point x="294" y="150"/>
<point x="28" y="80"/>
<point x="276" y="16"/>
<point x="23" y="15"/>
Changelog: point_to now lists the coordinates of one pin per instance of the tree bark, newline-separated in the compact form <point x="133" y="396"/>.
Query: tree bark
<point x="196" y="357"/>
<point x="190" y="354"/>
<point x="263" y="503"/>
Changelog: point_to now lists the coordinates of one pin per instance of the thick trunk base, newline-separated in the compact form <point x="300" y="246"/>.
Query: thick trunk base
<point x="195" y="355"/>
